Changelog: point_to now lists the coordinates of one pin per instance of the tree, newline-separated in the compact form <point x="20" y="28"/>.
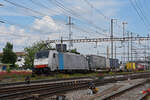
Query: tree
<point x="74" y="51"/>
<point x="32" y="50"/>
<point x="9" y="57"/>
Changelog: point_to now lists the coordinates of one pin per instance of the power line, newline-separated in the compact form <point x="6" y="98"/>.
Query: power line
<point x="102" y="14"/>
<point x="39" y="4"/>
<point x="21" y="6"/>
<point x="143" y="5"/>
<point x="142" y="13"/>
<point x="43" y="6"/>
<point x="59" y="4"/>
<point x="138" y="13"/>
<point x="98" y="10"/>
<point x="31" y="10"/>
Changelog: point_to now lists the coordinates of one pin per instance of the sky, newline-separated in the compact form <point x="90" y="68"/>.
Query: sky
<point x="29" y="21"/>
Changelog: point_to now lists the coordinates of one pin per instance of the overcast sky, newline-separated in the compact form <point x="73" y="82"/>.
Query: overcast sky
<point x="27" y="21"/>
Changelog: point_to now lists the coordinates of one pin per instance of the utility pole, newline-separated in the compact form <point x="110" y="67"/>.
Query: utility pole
<point x="70" y="33"/>
<point x="128" y="47"/>
<point x="61" y="44"/>
<point x="131" y="48"/>
<point x="124" y="28"/>
<point x="145" y="52"/>
<point x="124" y="41"/>
<point x="112" y="20"/>
<point x="108" y="52"/>
<point x="148" y="53"/>
<point x="115" y="50"/>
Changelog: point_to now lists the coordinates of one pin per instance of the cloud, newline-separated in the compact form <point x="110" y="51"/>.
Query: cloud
<point x="46" y="24"/>
<point x="22" y="38"/>
<point x="47" y="27"/>
<point x="11" y="33"/>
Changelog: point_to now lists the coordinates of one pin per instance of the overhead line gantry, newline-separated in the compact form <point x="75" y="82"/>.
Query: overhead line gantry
<point x="100" y="40"/>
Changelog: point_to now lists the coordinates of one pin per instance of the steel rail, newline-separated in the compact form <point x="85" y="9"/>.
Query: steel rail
<point x="41" y="81"/>
<point x="34" y="86"/>
<point x="37" y="90"/>
<point x="56" y="91"/>
<point x="62" y="79"/>
<point x="62" y="90"/>
<point x="28" y="86"/>
<point x="144" y="96"/>
<point x="118" y="93"/>
<point x="71" y="84"/>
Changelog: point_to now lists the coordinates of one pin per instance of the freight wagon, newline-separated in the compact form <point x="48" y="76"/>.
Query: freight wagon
<point x="96" y="62"/>
<point x="132" y="66"/>
<point x="114" y="63"/>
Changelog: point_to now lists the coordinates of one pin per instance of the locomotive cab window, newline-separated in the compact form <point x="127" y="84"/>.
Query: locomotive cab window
<point x="42" y="54"/>
<point x="54" y="55"/>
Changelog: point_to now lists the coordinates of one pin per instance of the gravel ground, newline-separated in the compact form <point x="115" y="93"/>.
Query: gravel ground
<point x="148" y="98"/>
<point x="103" y="90"/>
<point x="132" y="94"/>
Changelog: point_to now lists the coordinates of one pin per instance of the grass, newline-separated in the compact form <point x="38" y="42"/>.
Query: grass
<point x="15" y="77"/>
<point x="61" y="75"/>
<point x="20" y="76"/>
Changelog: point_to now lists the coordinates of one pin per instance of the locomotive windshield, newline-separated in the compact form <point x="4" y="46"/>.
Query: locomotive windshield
<point x="42" y="54"/>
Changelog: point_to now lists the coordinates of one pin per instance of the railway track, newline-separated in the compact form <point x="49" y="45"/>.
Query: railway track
<point x="144" y="96"/>
<point x="14" y="92"/>
<point x="64" y="79"/>
<point x="26" y="92"/>
<point x="40" y="81"/>
<point x="117" y="95"/>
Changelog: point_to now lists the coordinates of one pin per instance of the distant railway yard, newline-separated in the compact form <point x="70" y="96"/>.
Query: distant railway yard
<point x="133" y="86"/>
<point x="74" y="50"/>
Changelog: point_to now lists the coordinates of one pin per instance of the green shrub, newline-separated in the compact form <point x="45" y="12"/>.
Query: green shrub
<point x="8" y="70"/>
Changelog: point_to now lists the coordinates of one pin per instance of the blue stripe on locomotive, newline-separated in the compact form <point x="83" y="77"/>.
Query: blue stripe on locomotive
<point x="61" y="61"/>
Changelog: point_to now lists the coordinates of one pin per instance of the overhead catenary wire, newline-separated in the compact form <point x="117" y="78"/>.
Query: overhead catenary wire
<point x="146" y="5"/>
<point x="98" y="10"/>
<point x="102" y="14"/>
<point x="66" y="14"/>
<point x="28" y="9"/>
<point x="44" y="6"/>
<point x="39" y="4"/>
<point x="31" y="10"/>
<point x="142" y="5"/>
<point x="60" y="5"/>
<point x="142" y="13"/>
<point x="15" y="4"/>
<point x="138" y="13"/>
<point x="30" y="28"/>
<point x="25" y="7"/>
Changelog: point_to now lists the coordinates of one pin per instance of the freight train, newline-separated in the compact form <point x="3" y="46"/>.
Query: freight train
<point x="51" y="60"/>
<point x="134" y="66"/>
